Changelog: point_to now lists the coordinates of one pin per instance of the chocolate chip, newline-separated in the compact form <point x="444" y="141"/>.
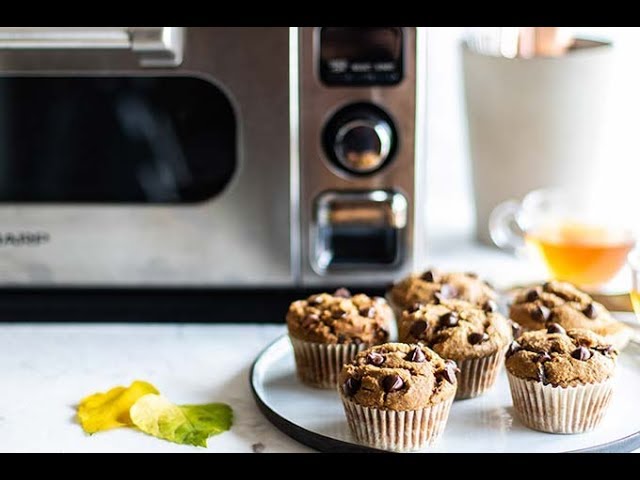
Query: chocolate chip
<point x="542" y="376"/>
<point x="516" y="329"/>
<point x="541" y="313"/>
<point x="608" y="350"/>
<point x="341" y="338"/>
<point x="449" y="372"/>
<point x="351" y="386"/>
<point x="415" y="307"/>
<point x="375" y="358"/>
<point x="337" y="314"/>
<point x="513" y="348"/>
<point x="581" y="353"/>
<point x="437" y="298"/>
<point x="427" y="276"/>
<point x="556" y="328"/>
<point x="418" y="328"/>
<point x="342" y="293"/>
<point x="368" y="312"/>
<point x="590" y="311"/>
<point x="449" y="320"/>
<point x="542" y="357"/>
<point x="546" y="286"/>
<point x="475" y="338"/>
<point x="448" y="291"/>
<point x="310" y="320"/>
<point x="452" y="364"/>
<point x="416" y="355"/>
<point x="532" y="296"/>
<point x="392" y="383"/>
<point x="490" y="306"/>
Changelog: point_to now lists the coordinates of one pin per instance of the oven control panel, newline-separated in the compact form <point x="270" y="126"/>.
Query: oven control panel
<point x="361" y="55"/>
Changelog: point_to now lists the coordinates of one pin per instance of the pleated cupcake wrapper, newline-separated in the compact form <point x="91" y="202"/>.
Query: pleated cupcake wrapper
<point x="398" y="431"/>
<point x="560" y="409"/>
<point x="477" y="375"/>
<point x="318" y="364"/>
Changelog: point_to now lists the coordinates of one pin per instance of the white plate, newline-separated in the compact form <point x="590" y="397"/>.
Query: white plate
<point x="484" y="424"/>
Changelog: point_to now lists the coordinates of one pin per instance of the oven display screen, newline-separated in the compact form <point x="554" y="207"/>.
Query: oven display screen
<point x="361" y="55"/>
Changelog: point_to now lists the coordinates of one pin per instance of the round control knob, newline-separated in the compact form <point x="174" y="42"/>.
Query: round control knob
<point x="360" y="138"/>
<point x="363" y="145"/>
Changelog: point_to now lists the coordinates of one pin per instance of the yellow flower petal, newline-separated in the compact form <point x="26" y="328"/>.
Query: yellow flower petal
<point x="104" y="411"/>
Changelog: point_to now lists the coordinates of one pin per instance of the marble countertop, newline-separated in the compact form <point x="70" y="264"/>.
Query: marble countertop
<point x="47" y="369"/>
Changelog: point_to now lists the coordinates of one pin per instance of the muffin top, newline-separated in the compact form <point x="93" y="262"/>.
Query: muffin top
<point x="340" y="318"/>
<point x="456" y="329"/>
<point x="561" y="357"/>
<point x="432" y="286"/>
<point x="562" y="303"/>
<point x="397" y="376"/>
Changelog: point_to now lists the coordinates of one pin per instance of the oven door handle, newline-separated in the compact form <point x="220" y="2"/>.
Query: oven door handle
<point x="154" y="46"/>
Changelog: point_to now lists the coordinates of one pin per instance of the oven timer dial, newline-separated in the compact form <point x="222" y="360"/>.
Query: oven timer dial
<point x="360" y="139"/>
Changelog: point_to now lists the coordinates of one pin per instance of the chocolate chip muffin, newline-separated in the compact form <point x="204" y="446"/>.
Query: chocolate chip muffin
<point x="432" y="286"/>
<point x="328" y="330"/>
<point x="562" y="303"/>
<point x="397" y="396"/>
<point x="561" y="380"/>
<point x="476" y="338"/>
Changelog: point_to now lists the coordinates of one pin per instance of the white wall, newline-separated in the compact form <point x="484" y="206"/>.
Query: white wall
<point x="450" y="203"/>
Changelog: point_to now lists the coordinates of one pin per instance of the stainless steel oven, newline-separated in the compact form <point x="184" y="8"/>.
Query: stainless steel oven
<point x="209" y="156"/>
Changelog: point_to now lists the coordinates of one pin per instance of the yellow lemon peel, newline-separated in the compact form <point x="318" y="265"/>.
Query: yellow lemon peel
<point x="107" y="410"/>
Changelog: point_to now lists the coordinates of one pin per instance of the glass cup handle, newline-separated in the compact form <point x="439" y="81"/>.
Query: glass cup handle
<point x="505" y="231"/>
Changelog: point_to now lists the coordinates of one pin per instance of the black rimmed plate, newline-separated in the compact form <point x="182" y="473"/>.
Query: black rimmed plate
<point x="485" y="424"/>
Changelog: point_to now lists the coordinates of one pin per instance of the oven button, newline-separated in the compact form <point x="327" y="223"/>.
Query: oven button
<point x="363" y="145"/>
<point x="360" y="138"/>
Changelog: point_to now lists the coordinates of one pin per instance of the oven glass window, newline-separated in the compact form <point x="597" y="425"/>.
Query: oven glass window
<point x="114" y="140"/>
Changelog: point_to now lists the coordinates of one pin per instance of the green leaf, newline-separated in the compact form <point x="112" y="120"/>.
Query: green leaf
<point x="184" y="424"/>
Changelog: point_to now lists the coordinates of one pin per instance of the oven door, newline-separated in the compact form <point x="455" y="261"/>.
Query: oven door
<point x="144" y="156"/>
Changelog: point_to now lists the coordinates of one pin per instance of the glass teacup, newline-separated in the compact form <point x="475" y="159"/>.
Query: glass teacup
<point x="578" y="239"/>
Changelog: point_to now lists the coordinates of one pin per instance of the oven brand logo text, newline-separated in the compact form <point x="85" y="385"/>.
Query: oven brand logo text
<point x="23" y="239"/>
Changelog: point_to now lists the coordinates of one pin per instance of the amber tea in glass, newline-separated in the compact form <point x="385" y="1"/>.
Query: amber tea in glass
<point x="586" y="255"/>
<point x="575" y="244"/>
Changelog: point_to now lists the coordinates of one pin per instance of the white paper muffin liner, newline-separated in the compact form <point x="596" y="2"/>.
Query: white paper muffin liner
<point x="398" y="431"/>
<point x="560" y="409"/>
<point x="319" y="364"/>
<point x="477" y="375"/>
